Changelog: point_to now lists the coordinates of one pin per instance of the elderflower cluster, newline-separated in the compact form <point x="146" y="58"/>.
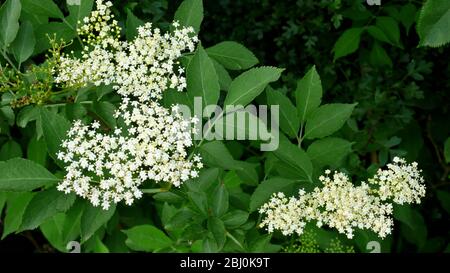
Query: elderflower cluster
<point x="341" y="205"/>
<point x="152" y="142"/>
<point x="142" y="68"/>
<point x="107" y="168"/>
<point x="401" y="182"/>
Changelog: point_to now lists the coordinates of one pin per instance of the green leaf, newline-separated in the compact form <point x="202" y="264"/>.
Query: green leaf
<point x="44" y="205"/>
<point x="24" y="175"/>
<point x="217" y="228"/>
<point x="308" y="94"/>
<point x="16" y="206"/>
<point x="93" y="218"/>
<point x="414" y="228"/>
<point x="146" y="238"/>
<point x="54" y="30"/>
<point x="250" y="84"/>
<point x="247" y="173"/>
<point x="232" y="55"/>
<point x="8" y="114"/>
<point x="289" y="121"/>
<point x="235" y="218"/>
<point x="390" y="28"/>
<point x="202" y="80"/>
<point x="347" y="43"/>
<point x="52" y="231"/>
<point x="26" y="115"/>
<point x="433" y="23"/>
<point x="200" y="201"/>
<point x="9" y="150"/>
<point x="378" y="34"/>
<point x="219" y="201"/>
<point x="79" y="12"/>
<point x="329" y="151"/>
<point x="447" y="150"/>
<point x="190" y="13"/>
<point x="223" y="75"/>
<point x="42" y="7"/>
<point x="105" y="112"/>
<point x="72" y="220"/>
<point x="408" y="15"/>
<point x="9" y="21"/>
<point x="327" y="119"/>
<point x="294" y="157"/>
<point x="54" y="128"/>
<point x="23" y="45"/>
<point x="444" y="199"/>
<point x="216" y="154"/>
<point x="379" y="57"/>
<point x="268" y="187"/>
<point x="132" y="24"/>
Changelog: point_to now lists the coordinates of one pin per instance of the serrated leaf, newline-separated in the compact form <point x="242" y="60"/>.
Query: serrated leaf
<point x="146" y="238"/>
<point x="289" y="121"/>
<point x="42" y="7"/>
<point x="327" y="119"/>
<point x="54" y="128"/>
<point x="217" y="229"/>
<point x="308" y="94"/>
<point x="23" y="175"/>
<point x="433" y="23"/>
<point x="329" y="151"/>
<point x="216" y="154"/>
<point x="44" y="205"/>
<point x="202" y="80"/>
<point x="219" y="201"/>
<point x="347" y="43"/>
<point x="268" y="187"/>
<point x="93" y="218"/>
<point x="250" y="84"/>
<point x="390" y="28"/>
<point x="190" y="13"/>
<point x="294" y="157"/>
<point x="232" y="55"/>
<point x="16" y="206"/>
<point x="223" y="75"/>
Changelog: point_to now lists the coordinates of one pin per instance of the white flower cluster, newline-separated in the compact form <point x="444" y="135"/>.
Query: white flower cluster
<point x="341" y="205"/>
<point x="142" y="68"/>
<point x="108" y="167"/>
<point x="401" y="182"/>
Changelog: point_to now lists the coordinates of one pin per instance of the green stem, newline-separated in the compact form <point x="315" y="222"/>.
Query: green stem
<point x="234" y="240"/>
<point x="205" y="134"/>
<point x="150" y="191"/>
<point x="64" y="104"/>
<point x="9" y="60"/>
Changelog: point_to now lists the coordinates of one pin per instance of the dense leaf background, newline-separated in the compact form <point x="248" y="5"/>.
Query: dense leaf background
<point x="376" y="79"/>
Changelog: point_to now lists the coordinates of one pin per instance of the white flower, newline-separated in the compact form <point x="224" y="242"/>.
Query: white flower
<point x="401" y="182"/>
<point x="142" y="68"/>
<point x="341" y="205"/>
<point x="110" y="167"/>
